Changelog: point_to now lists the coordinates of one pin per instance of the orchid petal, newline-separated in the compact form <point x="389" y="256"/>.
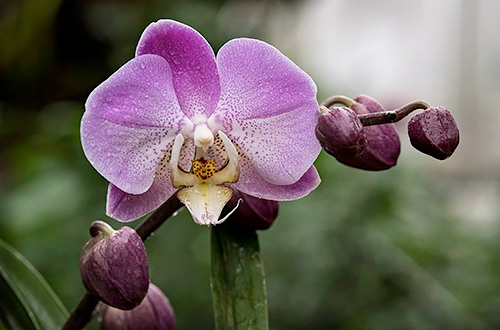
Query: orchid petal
<point x="130" y="121"/>
<point x="251" y="183"/>
<point x="192" y="62"/>
<point x="205" y="202"/>
<point x="127" y="207"/>
<point x="268" y="107"/>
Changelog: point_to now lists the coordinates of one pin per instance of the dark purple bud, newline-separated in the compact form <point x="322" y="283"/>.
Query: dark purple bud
<point x="154" y="313"/>
<point x="252" y="212"/>
<point x="114" y="266"/>
<point x="382" y="148"/>
<point x="340" y="133"/>
<point x="434" y="132"/>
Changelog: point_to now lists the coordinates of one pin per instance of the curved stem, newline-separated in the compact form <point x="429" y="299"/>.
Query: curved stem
<point x="391" y="116"/>
<point x="338" y="99"/>
<point x="374" y="118"/>
<point x="82" y="313"/>
<point x="100" y="227"/>
<point x="148" y="226"/>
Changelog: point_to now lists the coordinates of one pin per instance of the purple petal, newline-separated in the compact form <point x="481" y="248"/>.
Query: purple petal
<point x="251" y="183"/>
<point x="268" y="107"/>
<point x="130" y="120"/>
<point x="192" y="61"/>
<point x="126" y="207"/>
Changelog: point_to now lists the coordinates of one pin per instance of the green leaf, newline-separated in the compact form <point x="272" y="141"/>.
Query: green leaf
<point x="27" y="301"/>
<point x="237" y="279"/>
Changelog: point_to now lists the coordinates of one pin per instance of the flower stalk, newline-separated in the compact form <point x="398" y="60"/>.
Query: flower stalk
<point x="375" y="118"/>
<point x="392" y="116"/>
<point x="237" y="279"/>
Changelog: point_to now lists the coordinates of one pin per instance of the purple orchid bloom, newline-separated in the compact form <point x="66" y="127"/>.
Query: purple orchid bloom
<point x="177" y="119"/>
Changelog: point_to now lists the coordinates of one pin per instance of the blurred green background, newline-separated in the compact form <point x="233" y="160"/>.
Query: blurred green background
<point x="366" y="250"/>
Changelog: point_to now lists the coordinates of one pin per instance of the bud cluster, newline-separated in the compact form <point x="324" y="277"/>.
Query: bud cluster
<point x="361" y="133"/>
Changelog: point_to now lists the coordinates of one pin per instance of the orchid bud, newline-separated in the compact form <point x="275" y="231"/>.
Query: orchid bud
<point x="154" y="313"/>
<point x="252" y="212"/>
<point x="434" y="132"/>
<point x="340" y="133"/>
<point x="114" y="266"/>
<point x="382" y="148"/>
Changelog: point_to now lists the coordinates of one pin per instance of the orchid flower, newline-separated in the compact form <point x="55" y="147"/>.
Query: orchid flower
<point x="176" y="119"/>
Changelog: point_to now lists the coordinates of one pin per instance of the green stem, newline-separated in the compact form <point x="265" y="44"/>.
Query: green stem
<point x="237" y="279"/>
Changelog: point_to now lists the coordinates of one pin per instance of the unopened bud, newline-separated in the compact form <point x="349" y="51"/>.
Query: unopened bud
<point x="340" y="133"/>
<point x="114" y="266"/>
<point x="383" y="146"/>
<point x="154" y="313"/>
<point x="252" y="212"/>
<point x="434" y="132"/>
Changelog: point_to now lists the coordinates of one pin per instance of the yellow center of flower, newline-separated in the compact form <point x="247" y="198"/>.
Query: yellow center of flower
<point x="203" y="190"/>
<point x="203" y="169"/>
